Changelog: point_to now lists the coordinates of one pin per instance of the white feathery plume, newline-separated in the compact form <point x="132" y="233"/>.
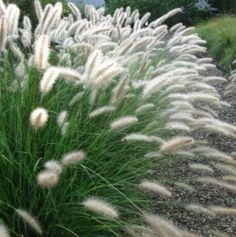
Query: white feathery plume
<point x="140" y="231"/>
<point x="210" y="180"/>
<point x="105" y="74"/>
<point x="30" y="220"/>
<point x="226" y="169"/>
<point x="12" y="16"/>
<point x="42" y="51"/>
<point x="3" y="33"/>
<point x="50" y="18"/>
<point x="3" y="229"/>
<point x="101" y="111"/>
<point x="198" y="209"/>
<point x="64" y="128"/>
<point x="184" y="186"/>
<point x="72" y="158"/>
<point x="162" y="227"/>
<point x="27" y="24"/>
<point x="201" y="167"/>
<point x="62" y="118"/>
<point x="53" y="166"/>
<point x="48" y="178"/>
<point x="137" y="137"/>
<point x="38" y="9"/>
<point x="101" y="207"/>
<point x="92" y="61"/>
<point x="70" y="74"/>
<point x="76" y="98"/>
<point x="16" y="51"/>
<point x="2" y="8"/>
<point x="212" y="153"/>
<point x="123" y="122"/>
<point x="49" y="78"/>
<point x="144" y="108"/>
<point x="119" y="91"/>
<point x="177" y="126"/>
<point x="155" y="187"/>
<point x="229" y="178"/>
<point x="26" y="38"/>
<point x="218" y="210"/>
<point x="75" y="10"/>
<point x="163" y="18"/>
<point x="176" y="143"/>
<point x="38" y="118"/>
<point x="145" y="18"/>
<point x="176" y="27"/>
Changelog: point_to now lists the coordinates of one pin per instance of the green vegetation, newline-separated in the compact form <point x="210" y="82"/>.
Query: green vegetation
<point x="220" y="35"/>
<point x="157" y="8"/>
<point x="91" y="107"/>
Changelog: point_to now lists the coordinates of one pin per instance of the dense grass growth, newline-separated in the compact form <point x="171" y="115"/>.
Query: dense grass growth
<point x="220" y="36"/>
<point x="90" y="108"/>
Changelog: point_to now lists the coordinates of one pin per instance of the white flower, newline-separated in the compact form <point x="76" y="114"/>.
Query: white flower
<point x="30" y="220"/>
<point x="155" y="187"/>
<point x="47" y="179"/>
<point x="62" y="118"/>
<point x="4" y="231"/>
<point x="123" y="122"/>
<point x="54" y="166"/>
<point x="49" y="79"/>
<point x="73" y="158"/>
<point x="101" y="206"/>
<point x="38" y="118"/>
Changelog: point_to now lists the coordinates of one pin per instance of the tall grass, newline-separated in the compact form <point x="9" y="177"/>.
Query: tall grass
<point x="220" y="36"/>
<point x="89" y="109"/>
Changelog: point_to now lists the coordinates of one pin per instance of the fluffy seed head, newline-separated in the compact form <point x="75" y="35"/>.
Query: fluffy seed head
<point x="201" y="167"/>
<point x="4" y="231"/>
<point x="38" y="118"/>
<point x="123" y="122"/>
<point x="3" y="33"/>
<point x="101" y="111"/>
<point x="223" y="210"/>
<point x="47" y="179"/>
<point x="73" y="158"/>
<point x="176" y="143"/>
<point x="30" y="220"/>
<point x="53" y="166"/>
<point x="162" y="227"/>
<point x="101" y="207"/>
<point x="49" y="79"/>
<point x="198" y="209"/>
<point x="155" y="187"/>
<point x="42" y="51"/>
<point x="62" y="118"/>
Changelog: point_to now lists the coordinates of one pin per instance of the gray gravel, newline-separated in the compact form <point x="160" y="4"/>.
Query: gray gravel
<point x="175" y="209"/>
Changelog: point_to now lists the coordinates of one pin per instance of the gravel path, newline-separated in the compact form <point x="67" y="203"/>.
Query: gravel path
<point x="175" y="210"/>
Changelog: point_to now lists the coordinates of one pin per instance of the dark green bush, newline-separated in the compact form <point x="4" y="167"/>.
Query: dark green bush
<point x="27" y="7"/>
<point x="157" y="8"/>
<point x="226" y="6"/>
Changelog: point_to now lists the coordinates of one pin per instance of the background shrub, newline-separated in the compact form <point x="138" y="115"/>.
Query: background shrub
<point x="157" y="8"/>
<point x="220" y="37"/>
<point x="225" y="6"/>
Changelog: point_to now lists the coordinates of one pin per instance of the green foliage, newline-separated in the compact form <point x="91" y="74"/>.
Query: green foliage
<point x="226" y="6"/>
<point x="110" y="165"/>
<point x="220" y="37"/>
<point x="27" y="7"/>
<point x="158" y="8"/>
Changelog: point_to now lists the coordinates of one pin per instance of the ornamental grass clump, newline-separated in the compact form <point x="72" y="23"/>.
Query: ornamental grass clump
<point x="88" y="107"/>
